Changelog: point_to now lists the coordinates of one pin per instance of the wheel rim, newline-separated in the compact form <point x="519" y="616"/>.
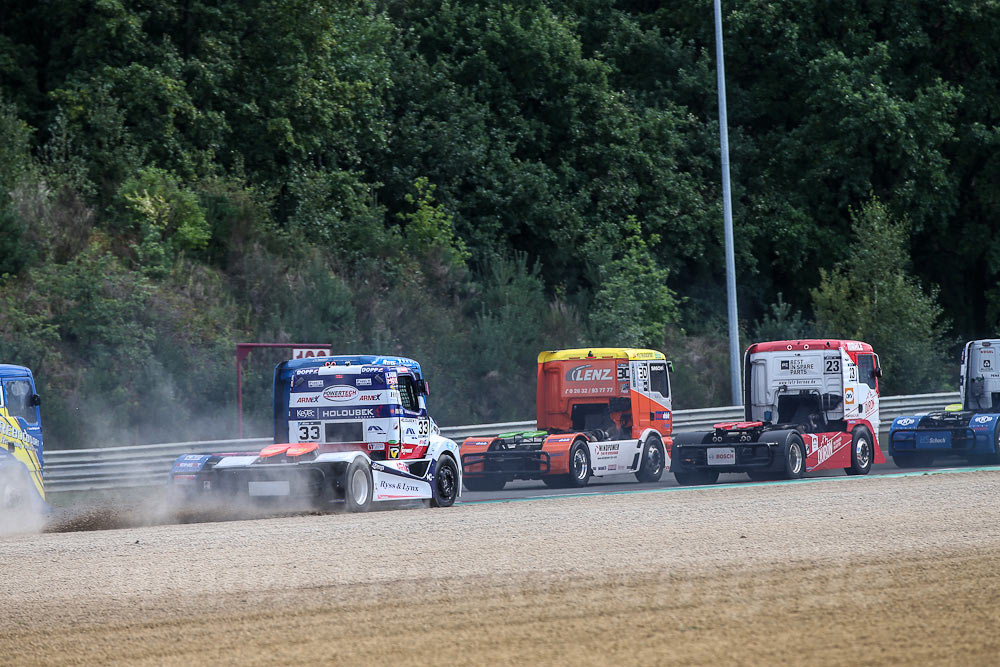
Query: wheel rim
<point x="579" y="463"/>
<point x="653" y="457"/>
<point x="863" y="452"/>
<point x="359" y="487"/>
<point x="446" y="482"/>
<point x="795" y="458"/>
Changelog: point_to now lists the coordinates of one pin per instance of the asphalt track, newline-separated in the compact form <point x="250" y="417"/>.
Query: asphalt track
<point x="528" y="489"/>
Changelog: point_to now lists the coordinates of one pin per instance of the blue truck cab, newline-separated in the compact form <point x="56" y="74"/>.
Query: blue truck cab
<point x="969" y="429"/>
<point x="21" y="458"/>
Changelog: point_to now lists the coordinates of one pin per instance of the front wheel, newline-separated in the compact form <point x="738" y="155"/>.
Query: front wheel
<point x="651" y="467"/>
<point x="795" y="458"/>
<point x="861" y="453"/>
<point x="445" y="484"/>
<point x="696" y="477"/>
<point x="358" y="487"/>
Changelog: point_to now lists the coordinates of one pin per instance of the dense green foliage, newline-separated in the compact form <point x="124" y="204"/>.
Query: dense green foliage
<point x="468" y="183"/>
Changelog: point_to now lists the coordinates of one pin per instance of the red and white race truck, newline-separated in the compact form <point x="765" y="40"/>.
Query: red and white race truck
<point x="600" y="411"/>
<point x="809" y="405"/>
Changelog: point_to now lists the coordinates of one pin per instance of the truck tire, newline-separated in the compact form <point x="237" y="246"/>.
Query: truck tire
<point x="358" y="486"/>
<point x="651" y="465"/>
<point x="795" y="458"/>
<point x="862" y="452"/>
<point x="696" y="477"/>
<point x="444" y="488"/>
<point x="579" y="465"/>
<point x="912" y="459"/>
<point x="485" y="483"/>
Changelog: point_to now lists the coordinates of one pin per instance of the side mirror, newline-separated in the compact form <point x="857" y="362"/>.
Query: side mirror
<point x="36" y="400"/>
<point x="878" y="372"/>
<point x="670" y="366"/>
<point x="425" y="388"/>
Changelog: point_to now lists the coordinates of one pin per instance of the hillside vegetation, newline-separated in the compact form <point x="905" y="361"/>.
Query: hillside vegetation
<point x="468" y="183"/>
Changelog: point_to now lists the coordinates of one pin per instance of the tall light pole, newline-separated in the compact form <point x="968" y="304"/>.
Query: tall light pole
<point x="727" y="214"/>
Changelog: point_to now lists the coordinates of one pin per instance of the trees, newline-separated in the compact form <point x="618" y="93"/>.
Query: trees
<point x="873" y="296"/>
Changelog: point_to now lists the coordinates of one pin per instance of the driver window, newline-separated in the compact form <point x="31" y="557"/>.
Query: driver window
<point x="408" y="394"/>
<point x="658" y="379"/>
<point x="866" y="370"/>
<point x="19" y="400"/>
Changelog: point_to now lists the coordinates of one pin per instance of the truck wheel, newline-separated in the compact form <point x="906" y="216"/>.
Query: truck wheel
<point x="485" y="483"/>
<point x="358" y="487"/>
<point x="795" y="458"/>
<point x="651" y="466"/>
<point x="445" y="488"/>
<point x="696" y="477"/>
<point x="861" y="453"/>
<point x="579" y="465"/>
<point x="912" y="459"/>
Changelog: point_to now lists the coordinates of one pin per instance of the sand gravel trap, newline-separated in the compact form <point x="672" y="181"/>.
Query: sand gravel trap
<point x="890" y="570"/>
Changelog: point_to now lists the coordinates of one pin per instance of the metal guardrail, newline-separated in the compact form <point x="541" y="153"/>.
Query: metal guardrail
<point x="110" y="468"/>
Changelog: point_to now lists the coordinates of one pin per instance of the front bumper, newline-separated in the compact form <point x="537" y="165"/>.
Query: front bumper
<point x="962" y="441"/>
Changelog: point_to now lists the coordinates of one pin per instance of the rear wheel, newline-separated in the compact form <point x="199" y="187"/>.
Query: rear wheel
<point x="445" y="485"/>
<point x="485" y="483"/>
<point x="861" y="453"/>
<point x="579" y="465"/>
<point x="696" y="477"/>
<point x="912" y="459"/>
<point x="795" y="458"/>
<point x="651" y="467"/>
<point x="358" y="486"/>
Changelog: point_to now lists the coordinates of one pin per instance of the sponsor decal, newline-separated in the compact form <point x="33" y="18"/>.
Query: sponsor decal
<point x="315" y="383"/>
<point x="586" y="373"/>
<point x="307" y="399"/>
<point x="390" y="379"/>
<point x="399" y="486"/>
<point x="798" y="366"/>
<point x="303" y="414"/>
<point x="369" y="397"/>
<point x="340" y="392"/>
<point x="363" y="382"/>
<point x="855" y="347"/>
<point x="623" y="371"/>
<point x="661" y="415"/>
<point x="410" y="431"/>
<point x="394" y="451"/>
<point x="376" y="446"/>
<point x="607" y="449"/>
<point x="372" y="369"/>
<point x="905" y="421"/>
<point x="612" y="467"/>
<point x="849" y="396"/>
<point x="983" y="419"/>
<point x="565" y="439"/>
<point x="623" y="388"/>
<point x="340" y="413"/>
<point x="307" y="371"/>
<point x="375" y="429"/>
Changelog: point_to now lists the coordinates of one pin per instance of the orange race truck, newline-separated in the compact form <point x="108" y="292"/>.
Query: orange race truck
<point x="600" y="411"/>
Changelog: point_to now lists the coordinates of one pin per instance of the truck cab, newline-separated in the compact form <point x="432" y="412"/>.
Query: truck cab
<point x="809" y="405"/>
<point x="21" y="449"/>
<point x="599" y="412"/>
<point x="970" y="429"/>
<point x="347" y="428"/>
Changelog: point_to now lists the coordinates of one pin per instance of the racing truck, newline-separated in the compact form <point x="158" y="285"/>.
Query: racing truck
<point x="599" y="412"/>
<point x="968" y="429"/>
<point x="22" y="490"/>
<point x="808" y="405"/>
<point x="351" y="429"/>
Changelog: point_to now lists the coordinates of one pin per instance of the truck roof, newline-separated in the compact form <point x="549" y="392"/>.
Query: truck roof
<point x="10" y="370"/>
<point x="630" y="353"/>
<point x="351" y="360"/>
<point x="810" y="344"/>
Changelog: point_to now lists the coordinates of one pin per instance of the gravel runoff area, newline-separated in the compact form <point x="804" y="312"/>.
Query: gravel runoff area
<point x="845" y="571"/>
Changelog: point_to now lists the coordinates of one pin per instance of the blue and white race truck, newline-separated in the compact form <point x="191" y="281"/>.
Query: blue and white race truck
<point x="22" y="490"/>
<point x="968" y="429"/>
<point x="351" y="428"/>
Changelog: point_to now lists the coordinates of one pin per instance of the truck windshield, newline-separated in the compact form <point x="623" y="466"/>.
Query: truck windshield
<point x="18" y="394"/>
